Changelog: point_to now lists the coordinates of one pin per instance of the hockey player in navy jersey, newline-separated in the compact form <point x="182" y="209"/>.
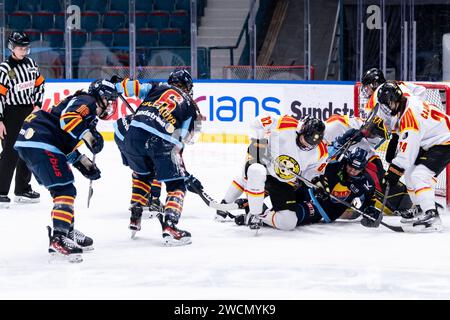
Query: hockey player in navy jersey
<point x="121" y="127"/>
<point x="163" y="123"/>
<point x="48" y="143"/>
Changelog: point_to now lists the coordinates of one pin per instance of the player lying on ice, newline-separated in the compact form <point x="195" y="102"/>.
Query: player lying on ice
<point x="48" y="143"/>
<point x="346" y="180"/>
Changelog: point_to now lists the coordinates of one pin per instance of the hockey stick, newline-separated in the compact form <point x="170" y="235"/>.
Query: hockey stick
<point x="126" y="103"/>
<point x="210" y="202"/>
<point x="348" y="205"/>
<point x="91" y="190"/>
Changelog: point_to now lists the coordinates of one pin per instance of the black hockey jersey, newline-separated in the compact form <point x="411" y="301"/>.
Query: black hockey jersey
<point x="61" y="129"/>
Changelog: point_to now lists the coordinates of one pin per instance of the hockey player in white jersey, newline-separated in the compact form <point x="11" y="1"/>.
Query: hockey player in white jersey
<point x="423" y="151"/>
<point x="281" y="148"/>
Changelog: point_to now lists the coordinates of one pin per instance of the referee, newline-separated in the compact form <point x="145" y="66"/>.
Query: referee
<point x="21" y="91"/>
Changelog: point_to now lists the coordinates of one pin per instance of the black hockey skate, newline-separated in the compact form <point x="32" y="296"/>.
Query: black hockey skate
<point x="135" y="220"/>
<point x="428" y="221"/>
<point x="155" y="206"/>
<point x="86" y="243"/>
<point x="61" y="246"/>
<point x="4" y="202"/>
<point x="172" y="235"/>
<point x="408" y="214"/>
<point x="27" y="197"/>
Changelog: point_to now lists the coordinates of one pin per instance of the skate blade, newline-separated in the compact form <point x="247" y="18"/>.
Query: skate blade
<point x="58" y="258"/>
<point x="421" y="228"/>
<point x="170" y="242"/>
<point x="87" y="248"/>
<point x="24" y="200"/>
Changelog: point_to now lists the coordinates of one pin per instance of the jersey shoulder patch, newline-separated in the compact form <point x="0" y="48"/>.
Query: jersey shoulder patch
<point x="408" y="121"/>
<point x="323" y="150"/>
<point x="339" y="118"/>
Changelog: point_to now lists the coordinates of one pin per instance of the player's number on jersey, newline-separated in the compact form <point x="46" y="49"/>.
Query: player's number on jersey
<point x="435" y="114"/>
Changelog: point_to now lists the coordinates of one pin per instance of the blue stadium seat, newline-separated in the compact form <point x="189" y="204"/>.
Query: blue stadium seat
<point x="147" y="37"/>
<point x="33" y="34"/>
<point x="180" y="19"/>
<point x="170" y="37"/>
<point x="97" y="5"/>
<point x="122" y="38"/>
<point x="141" y="19"/>
<point x="59" y="21"/>
<point x="43" y="20"/>
<point x="55" y="37"/>
<point x="103" y="35"/>
<point x="79" y="3"/>
<point x="51" y="5"/>
<point x="19" y="20"/>
<point x="89" y="20"/>
<point x="158" y="19"/>
<point x="166" y="5"/>
<point x="144" y="5"/>
<point x="27" y="5"/>
<point x="185" y="5"/>
<point x="10" y="6"/>
<point x="79" y="38"/>
<point x="114" y="20"/>
<point x="120" y="5"/>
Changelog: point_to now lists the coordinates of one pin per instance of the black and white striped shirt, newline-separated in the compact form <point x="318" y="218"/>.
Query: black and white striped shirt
<point x="20" y="83"/>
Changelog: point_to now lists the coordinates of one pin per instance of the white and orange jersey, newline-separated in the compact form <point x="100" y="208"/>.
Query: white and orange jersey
<point x="422" y="125"/>
<point x="337" y="125"/>
<point x="282" y="135"/>
<point x="408" y="89"/>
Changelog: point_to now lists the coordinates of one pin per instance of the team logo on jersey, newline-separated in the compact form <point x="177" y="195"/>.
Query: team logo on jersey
<point x="286" y="167"/>
<point x="32" y="70"/>
<point x="340" y="191"/>
<point x="29" y="133"/>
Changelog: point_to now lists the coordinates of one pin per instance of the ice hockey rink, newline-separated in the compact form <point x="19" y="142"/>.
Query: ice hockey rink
<point x="342" y="260"/>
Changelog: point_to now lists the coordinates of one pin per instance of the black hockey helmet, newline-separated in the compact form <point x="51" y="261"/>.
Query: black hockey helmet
<point x="372" y="79"/>
<point x="357" y="158"/>
<point x="182" y="79"/>
<point x="388" y="96"/>
<point x="18" y="39"/>
<point x="311" y="130"/>
<point x="103" y="89"/>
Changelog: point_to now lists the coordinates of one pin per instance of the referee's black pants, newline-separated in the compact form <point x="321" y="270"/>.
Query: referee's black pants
<point x="13" y="118"/>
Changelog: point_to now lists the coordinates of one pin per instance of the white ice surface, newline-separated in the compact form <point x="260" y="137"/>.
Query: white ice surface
<point x="342" y="260"/>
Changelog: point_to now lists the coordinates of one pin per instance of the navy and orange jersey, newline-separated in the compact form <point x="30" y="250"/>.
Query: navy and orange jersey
<point x="61" y="129"/>
<point x="346" y="189"/>
<point x="166" y="112"/>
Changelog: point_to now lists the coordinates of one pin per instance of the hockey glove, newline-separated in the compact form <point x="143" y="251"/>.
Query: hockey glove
<point x="93" y="139"/>
<point x="375" y="127"/>
<point x="323" y="188"/>
<point x="115" y="79"/>
<point x="392" y="175"/>
<point x="376" y="216"/>
<point x="193" y="184"/>
<point x="258" y="152"/>
<point x="392" y="148"/>
<point x="87" y="168"/>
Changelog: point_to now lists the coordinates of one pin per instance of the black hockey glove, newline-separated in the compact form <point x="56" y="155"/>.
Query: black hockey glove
<point x="323" y="188"/>
<point x="87" y="168"/>
<point x="258" y="151"/>
<point x="374" y="127"/>
<point x="376" y="216"/>
<point x="93" y="139"/>
<point x="193" y="184"/>
<point x="115" y="79"/>
<point x="392" y="175"/>
<point x="392" y="148"/>
<point x="352" y="134"/>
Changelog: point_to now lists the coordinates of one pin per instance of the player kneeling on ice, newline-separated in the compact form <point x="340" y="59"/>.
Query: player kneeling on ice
<point x="423" y="152"/>
<point x="165" y="120"/>
<point x="48" y="142"/>
<point x="294" y="147"/>
<point x="345" y="180"/>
